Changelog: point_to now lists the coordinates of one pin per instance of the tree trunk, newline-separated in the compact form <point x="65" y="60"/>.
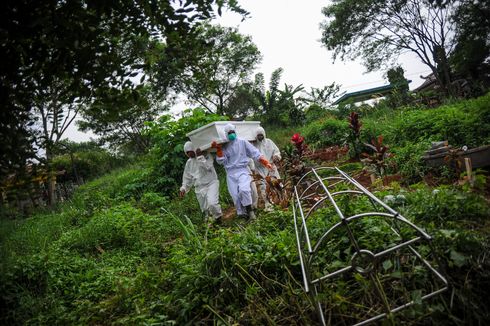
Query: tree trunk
<point x="443" y="70"/>
<point x="51" y="178"/>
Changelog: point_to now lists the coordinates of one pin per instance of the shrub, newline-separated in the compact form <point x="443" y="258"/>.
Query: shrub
<point x="462" y="123"/>
<point x="167" y="158"/>
<point x="326" y="132"/>
<point x="409" y="162"/>
<point x="446" y="204"/>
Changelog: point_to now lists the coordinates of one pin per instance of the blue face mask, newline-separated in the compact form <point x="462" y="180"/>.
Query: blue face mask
<point x="232" y="136"/>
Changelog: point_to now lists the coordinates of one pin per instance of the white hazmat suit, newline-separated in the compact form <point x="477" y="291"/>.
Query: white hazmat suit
<point x="199" y="172"/>
<point x="253" y="186"/>
<point x="272" y="153"/>
<point x="235" y="159"/>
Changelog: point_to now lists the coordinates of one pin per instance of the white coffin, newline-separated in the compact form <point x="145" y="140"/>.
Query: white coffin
<point x="214" y="131"/>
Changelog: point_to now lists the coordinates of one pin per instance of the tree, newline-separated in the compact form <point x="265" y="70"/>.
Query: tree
<point x="119" y="117"/>
<point x="276" y="106"/>
<point x="399" y="93"/>
<point x="471" y="56"/>
<point x="267" y="99"/>
<point x="291" y="104"/>
<point x="221" y="69"/>
<point x="55" y="110"/>
<point x="380" y="30"/>
<point x="243" y="102"/>
<point x="322" y="96"/>
<point x="97" y="44"/>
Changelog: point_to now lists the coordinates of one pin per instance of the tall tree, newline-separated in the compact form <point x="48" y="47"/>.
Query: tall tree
<point x="54" y="110"/>
<point x="321" y="96"/>
<point x="471" y="57"/>
<point x="43" y="41"/>
<point x="119" y="116"/>
<point x="223" y="67"/>
<point x="267" y="98"/>
<point x="399" y="93"/>
<point x="379" y="30"/>
<point x="243" y="103"/>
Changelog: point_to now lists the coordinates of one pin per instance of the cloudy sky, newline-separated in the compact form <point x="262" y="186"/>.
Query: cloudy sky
<point x="287" y="33"/>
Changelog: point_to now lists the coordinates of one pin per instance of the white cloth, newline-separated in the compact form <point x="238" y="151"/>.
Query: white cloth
<point x="199" y="172"/>
<point x="236" y="155"/>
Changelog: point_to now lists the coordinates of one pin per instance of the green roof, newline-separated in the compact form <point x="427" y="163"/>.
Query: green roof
<point x="366" y="94"/>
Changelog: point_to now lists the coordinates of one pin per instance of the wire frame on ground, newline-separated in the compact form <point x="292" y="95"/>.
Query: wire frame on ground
<point x="366" y="249"/>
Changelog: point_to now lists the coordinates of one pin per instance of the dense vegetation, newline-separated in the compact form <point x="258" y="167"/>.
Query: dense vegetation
<point x="108" y="241"/>
<point x="124" y="250"/>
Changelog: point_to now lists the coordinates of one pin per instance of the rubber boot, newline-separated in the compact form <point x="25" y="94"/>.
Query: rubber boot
<point x="250" y="212"/>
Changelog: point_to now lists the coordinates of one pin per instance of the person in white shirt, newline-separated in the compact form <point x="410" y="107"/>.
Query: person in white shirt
<point x="271" y="153"/>
<point x="200" y="173"/>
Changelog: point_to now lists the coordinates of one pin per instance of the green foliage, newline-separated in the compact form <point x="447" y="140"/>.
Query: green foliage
<point x="86" y="164"/>
<point x="118" y="117"/>
<point x="378" y="31"/>
<point x="461" y="123"/>
<point x="89" y="47"/>
<point x="124" y="252"/>
<point x="314" y="112"/>
<point x="322" y="97"/>
<point x="469" y="59"/>
<point x="326" y="132"/>
<point x="408" y="161"/>
<point x="399" y="95"/>
<point x="226" y="64"/>
<point x="167" y="158"/>
<point x="446" y="204"/>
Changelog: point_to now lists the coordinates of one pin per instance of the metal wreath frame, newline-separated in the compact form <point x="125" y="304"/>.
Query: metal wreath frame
<point x="308" y="253"/>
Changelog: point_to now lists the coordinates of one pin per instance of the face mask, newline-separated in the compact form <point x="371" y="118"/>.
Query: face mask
<point x="232" y="136"/>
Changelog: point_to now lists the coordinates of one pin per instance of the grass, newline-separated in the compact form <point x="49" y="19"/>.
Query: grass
<point x="121" y="253"/>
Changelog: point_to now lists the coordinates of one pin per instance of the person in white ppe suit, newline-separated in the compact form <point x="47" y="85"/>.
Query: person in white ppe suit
<point x="272" y="153"/>
<point x="253" y="186"/>
<point x="199" y="172"/>
<point x="234" y="156"/>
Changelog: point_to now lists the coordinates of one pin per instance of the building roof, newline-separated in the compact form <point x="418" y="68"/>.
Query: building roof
<point x="366" y="94"/>
<point x="430" y="82"/>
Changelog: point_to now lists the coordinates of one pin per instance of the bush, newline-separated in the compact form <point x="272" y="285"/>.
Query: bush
<point x="446" y="204"/>
<point x="462" y="123"/>
<point x="88" y="164"/>
<point x="167" y="159"/>
<point x="326" y="132"/>
<point x="409" y="162"/>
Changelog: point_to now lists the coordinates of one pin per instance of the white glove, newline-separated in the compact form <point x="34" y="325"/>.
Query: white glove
<point x="201" y="159"/>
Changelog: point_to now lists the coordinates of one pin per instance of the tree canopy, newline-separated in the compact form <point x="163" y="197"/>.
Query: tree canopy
<point x="97" y="44"/>
<point x="378" y="31"/>
<point x="227" y="64"/>
<point x="119" y="117"/>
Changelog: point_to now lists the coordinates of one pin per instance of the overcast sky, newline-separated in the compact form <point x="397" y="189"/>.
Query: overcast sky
<point x="287" y="33"/>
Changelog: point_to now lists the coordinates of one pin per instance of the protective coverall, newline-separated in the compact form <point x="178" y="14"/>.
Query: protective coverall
<point x="235" y="158"/>
<point x="253" y="186"/>
<point x="199" y="172"/>
<point x="272" y="153"/>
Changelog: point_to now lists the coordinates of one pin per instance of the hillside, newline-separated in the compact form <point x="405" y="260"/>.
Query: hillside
<point x="126" y="250"/>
